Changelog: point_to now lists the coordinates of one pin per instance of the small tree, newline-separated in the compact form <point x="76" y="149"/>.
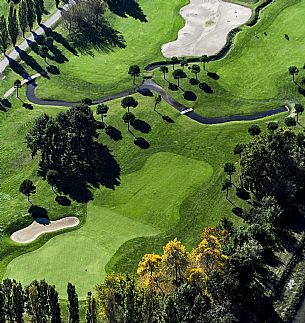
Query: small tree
<point x="158" y="100"/>
<point x="102" y="110"/>
<point x="204" y="59"/>
<point x="184" y="63"/>
<point x="230" y="169"/>
<point x="290" y="122"/>
<point x="134" y="70"/>
<point x="174" y="60"/>
<point x="299" y="109"/>
<point x="128" y="117"/>
<point x="272" y="126"/>
<point x="164" y="70"/>
<point x="178" y="74"/>
<point x="196" y="70"/>
<point x="129" y="102"/>
<point x="254" y="130"/>
<point x="27" y="188"/>
<point x="17" y="86"/>
<point x="52" y="179"/>
<point x="293" y="70"/>
<point x="226" y="186"/>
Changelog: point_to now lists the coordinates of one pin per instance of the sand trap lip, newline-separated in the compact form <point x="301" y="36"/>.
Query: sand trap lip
<point x="36" y="229"/>
<point x="207" y="24"/>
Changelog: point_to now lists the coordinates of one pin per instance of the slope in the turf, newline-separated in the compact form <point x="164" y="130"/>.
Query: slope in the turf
<point x="146" y="203"/>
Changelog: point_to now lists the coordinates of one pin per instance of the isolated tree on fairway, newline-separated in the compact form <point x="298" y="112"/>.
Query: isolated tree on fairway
<point x="196" y="70"/>
<point x="102" y="110"/>
<point x="272" y="126"/>
<point x="73" y="304"/>
<point x="17" y="86"/>
<point x="30" y="17"/>
<point x="4" y="36"/>
<point x="254" y="130"/>
<point x="299" y="109"/>
<point x="290" y="122"/>
<point x="158" y="100"/>
<point x="13" y="24"/>
<point x="129" y="102"/>
<point x="226" y="186"/>
<point x="293" y="70"/>
<point x="52" y="179"/>
<point x="174" y="60"/>
<point x="128" y="117"/>
<point x="178" y="74"/>
<point x="184" y="63"/>
<point x="27" y="188"/>
<point x="204" y="59"/>
<point x="164" y="70"/>
<point x="230" y="169"/>
<point x="22" y="16"/>
<point x="134" y="70"/>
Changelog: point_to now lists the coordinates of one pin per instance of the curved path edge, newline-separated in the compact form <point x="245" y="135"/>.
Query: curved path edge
<point x="149" y="84"/>
<point x="36" y="229"/>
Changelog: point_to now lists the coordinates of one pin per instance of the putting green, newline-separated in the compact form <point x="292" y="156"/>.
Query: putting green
<point x="146" y="203"/>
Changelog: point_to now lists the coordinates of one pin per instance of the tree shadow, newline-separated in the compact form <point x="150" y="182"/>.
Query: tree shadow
<point x="59" y="39"/>
<point x="141" y="126"/>
<point x="173" y="87"/>
<point x="194" y="81"/>
<point x="213" y="76"/>
<point x="27" y="106"/>
<point x="34" y="46"/>
<point x="189" y="96"/>
<point x="57" y="56"/>
<point x="6" y="103"/>
<point x="17" y="68"/>
<point x="62" y="200"/>
<point x="2" y="108"/>
<point x="124" y="8"/>
<point x="113" y="133"/>
<point x="206" y="88"/>
<point x="141" y="143"/>
<point x="38" y="212"/>
<point x="165" y="117"/>
<point x="145" y="92"/>
<point x="52" y="69"/>
<point x="301" y="91"/>
<point x="31" y="62"/>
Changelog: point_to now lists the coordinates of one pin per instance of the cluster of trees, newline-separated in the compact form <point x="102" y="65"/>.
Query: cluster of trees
<point x="19" y="20"/>
<point x="88" y="28"/>
<point x="70" y="156"/>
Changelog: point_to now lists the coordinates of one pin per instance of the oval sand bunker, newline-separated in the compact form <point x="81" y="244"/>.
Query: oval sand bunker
<point x="207" y="24"/>
<point x="37" y="228"/>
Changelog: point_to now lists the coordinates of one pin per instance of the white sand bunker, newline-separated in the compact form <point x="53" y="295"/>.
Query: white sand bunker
<point x="41" y="226"/>
<point x="207" y="24"/>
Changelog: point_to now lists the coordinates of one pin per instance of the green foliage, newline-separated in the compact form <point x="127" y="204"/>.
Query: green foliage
<point x="73" y="304"/>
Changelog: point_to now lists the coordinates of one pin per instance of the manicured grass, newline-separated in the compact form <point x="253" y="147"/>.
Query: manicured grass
<point x="106" y="73"/>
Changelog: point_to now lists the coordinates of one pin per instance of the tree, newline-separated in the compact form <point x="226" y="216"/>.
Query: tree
<point x="57" y="2"/>
<point x="129" y="102"/>
<point x="73" y="304"/>
<point x="134" y="70"/>
<point x="54" y="305"/>
<point x="17" y="302"/>
<point x="30" y="14"/>
<point x="22" y="16"/>
<point x="174" y="61"/>
<point x="238" y="149"/>
<point x="13" y="24"/>
<point x="196" y="70"/>
<point x="230" y="169"/>
<point x="39" y="9"/>
<point x="290" y="122"/>
<point x="272" y="126"/>
<point x="254" y="130"/>
<point x="4" y="35"/>
<point x="184" y="63"/>
<point x="178" y="74"/>
<point x="91" y="312"/>
<point x="299" y="109"/>
<point x="17" y="86"/>
<point x="164" y="70"/>
<point x="226" y="186"/>
<point x="52" y="179"/>
<point x="27" y="188"/>
<point x="128" y="117"/>
<point x="2" y="305"/>
<point x="102" y="110"/>
<point x="204" y="59"/>
<point x="293" y="70"/>
<point x="43" y="52"/>
<point x="158" y="100"/>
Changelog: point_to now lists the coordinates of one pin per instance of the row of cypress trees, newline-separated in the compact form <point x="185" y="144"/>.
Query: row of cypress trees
<point x="20" y="19"/>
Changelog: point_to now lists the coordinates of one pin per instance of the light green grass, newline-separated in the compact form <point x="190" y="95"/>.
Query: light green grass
<point x="146" y="202"/>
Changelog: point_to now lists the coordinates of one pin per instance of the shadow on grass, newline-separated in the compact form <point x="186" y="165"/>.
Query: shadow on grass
<point x="113" y="133"/>
<point x="38" y="212"/>
<point x="124" y="8"/>
<point x="206" y="88"/>
<point x="189" y="96"/>
<point x="17" y="68"/>
<point x="141" y="126"/>
<point x="141" y="143"/>
<point x="145" y="92"/>
<point x="213" y="76"/>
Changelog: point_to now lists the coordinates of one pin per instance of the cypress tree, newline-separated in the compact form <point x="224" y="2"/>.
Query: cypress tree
<point x="73" y="304"/>
<point x="91" y="312"/>
<point x="2" y="306"/>
<point x="22" y="16"/>
<point x="13" y="24"/>
<point x="39" y="11"/>
<point x="7" y="292"/>
<point x="54" y="305"/>
<point x="17" y="302"/>
<point x="4" y="37"/>
<point x="30" y="14"/>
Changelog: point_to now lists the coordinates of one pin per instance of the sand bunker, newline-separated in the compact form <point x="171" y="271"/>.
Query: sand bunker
<point x="207" y="24"/>
<point x="40" y="226"/>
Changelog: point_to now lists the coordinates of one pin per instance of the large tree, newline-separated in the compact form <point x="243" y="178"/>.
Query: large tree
<point x="13" y="24"/>
<point x="4" y="35"/>
<point x="73" y="304"/>
<point x="22" y="16"/>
